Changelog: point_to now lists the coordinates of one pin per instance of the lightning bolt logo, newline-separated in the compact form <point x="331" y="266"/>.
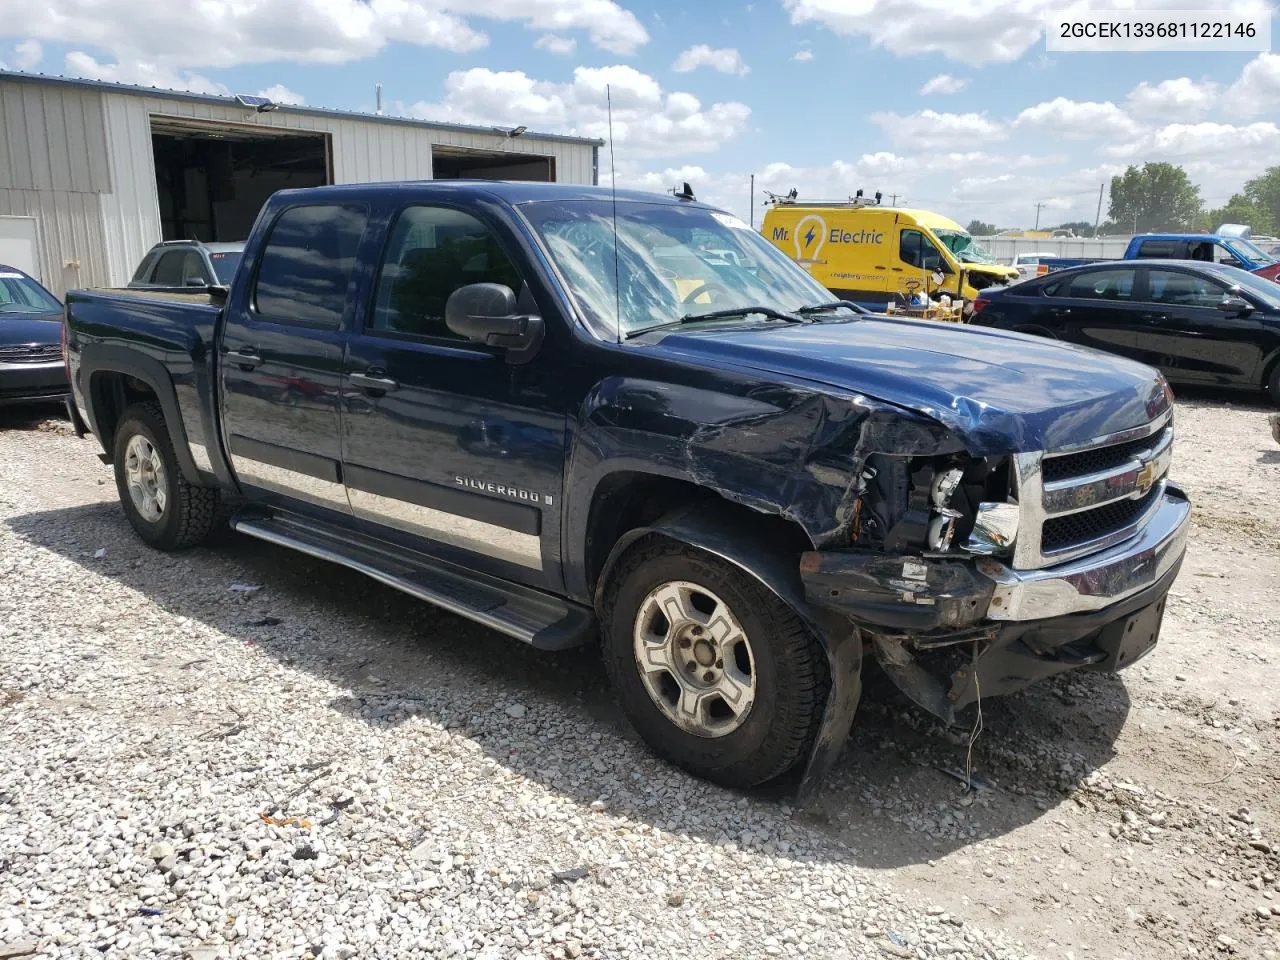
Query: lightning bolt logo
<point x="813" y="238"/>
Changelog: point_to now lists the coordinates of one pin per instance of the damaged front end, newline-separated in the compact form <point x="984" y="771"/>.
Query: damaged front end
<point x="965" y="584"/>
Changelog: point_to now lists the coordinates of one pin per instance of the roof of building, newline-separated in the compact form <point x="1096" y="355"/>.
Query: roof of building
<point x="231" y="101"/>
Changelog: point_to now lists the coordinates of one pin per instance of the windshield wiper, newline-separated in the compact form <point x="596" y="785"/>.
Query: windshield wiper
<point x="829" y="306"/>
<point x="727" y="314"/>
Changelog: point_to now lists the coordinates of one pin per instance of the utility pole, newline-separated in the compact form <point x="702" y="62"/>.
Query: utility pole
<point x="1038" y="206"/>
<point x="753" y="201"/>
<point x="1098" y="218"/>
<point x="893" y="199"/>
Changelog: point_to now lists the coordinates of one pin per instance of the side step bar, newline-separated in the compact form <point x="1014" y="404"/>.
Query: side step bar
<point x="540" y="619"/>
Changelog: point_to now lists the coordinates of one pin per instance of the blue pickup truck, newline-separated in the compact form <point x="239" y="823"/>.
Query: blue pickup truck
<point x="1235" y="251"/>
<point x="570" y="416"/>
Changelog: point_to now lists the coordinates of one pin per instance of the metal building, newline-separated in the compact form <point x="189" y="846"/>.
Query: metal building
<point x="92" y="174"/>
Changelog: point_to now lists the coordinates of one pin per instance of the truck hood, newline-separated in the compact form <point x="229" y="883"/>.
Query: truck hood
<point x="998" y="392"/>
<point x="19" y="328"/>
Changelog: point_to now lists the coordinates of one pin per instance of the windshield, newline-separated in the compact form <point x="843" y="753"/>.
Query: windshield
<point x="1267" y="292"/>
<point x="1251" y="251"/>
<point x="966" y="249"/>
<point x="20" y="294"/>
<point x="224" y="265"/>
<point x="672" y="261"/>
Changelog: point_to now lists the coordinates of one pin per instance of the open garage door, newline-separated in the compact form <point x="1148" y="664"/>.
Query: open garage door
<point x="213" y="177"/>
<point x="459" y="163"/>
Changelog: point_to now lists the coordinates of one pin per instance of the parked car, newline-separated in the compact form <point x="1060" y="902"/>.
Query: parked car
<point x="188" y="263"/>
<point x="1203" y="323"/>
<point x="737" y="483"/>
<point x="1028" y="264"/>
<point x="31" y="365"/>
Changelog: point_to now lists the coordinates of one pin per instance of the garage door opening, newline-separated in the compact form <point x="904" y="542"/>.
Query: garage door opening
<point x="458" y="163"/>
<point x="213" y="178"/>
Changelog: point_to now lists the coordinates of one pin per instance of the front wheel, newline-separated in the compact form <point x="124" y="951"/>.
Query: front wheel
<point x="1273" y="385"/>
<point x="166" y="511"/>
<point x="716" y="674"/>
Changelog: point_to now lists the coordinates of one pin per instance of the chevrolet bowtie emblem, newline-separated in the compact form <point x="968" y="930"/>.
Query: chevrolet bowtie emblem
<point x="1146" y="477"/>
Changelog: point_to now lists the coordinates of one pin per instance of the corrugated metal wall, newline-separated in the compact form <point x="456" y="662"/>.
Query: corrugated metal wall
<point x="53" y="166"/>
<point x="80" y="161"/>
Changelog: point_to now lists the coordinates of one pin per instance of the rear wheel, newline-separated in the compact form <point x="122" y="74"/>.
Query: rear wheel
<point x="716" y="674"/>
<point x="166" y="511"/>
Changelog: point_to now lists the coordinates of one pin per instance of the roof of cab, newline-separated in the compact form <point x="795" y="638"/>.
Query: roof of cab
<point x="511" y="191"/>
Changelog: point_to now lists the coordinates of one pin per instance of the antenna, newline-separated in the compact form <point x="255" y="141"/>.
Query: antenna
<point x="613" y="189"/>
<point x="377" y="98"/>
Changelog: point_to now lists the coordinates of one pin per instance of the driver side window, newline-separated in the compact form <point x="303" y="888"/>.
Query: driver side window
<point x="432" y="252"/>
<point x="917" y="250"/>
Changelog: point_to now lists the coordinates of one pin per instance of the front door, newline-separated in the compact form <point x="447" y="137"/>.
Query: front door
<point x="1200" y="343"/>
<point x="447" y="447"/>
<point x="281" y="361"/>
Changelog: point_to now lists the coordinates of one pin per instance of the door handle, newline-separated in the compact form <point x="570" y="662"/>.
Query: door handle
<point x="1153" y="317"/>
<point x="371" y="382"/>
<point x="246" y="357"/>
<point x="1060" y="311"/>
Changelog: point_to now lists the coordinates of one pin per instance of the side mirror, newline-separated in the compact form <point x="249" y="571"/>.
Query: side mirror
<point x="487" y="313"/>
<point x="197" y="282"/>
<point x="1235" y="306"/>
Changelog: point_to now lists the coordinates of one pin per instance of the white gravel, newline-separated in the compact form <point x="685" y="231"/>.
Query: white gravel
<point x="324" y="768"/>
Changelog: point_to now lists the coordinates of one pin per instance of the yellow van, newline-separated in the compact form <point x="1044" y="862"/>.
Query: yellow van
<point x="873" y="255"/>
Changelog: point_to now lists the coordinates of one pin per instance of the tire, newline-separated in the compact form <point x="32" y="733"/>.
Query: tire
<point x="785" y="665"/>
<point x="178" y="515"/>
<point x="1273" y="384"/>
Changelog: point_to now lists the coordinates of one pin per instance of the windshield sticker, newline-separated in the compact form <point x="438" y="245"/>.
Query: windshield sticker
<point x="11" y="276"/>
<point x="730" y="221"/>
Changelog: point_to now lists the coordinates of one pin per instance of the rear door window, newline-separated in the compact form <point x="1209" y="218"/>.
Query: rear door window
<point x="307" y="264"/>
<point x="1112" y="284"/>
<point x="1159" y="249"/>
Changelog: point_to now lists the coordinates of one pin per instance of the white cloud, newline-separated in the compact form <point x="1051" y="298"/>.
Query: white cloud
<point x="804" y="56"/>
<point x="192" y="35"/>
<point x="976" y="33"/>
<point x="27" y="54"/>
<point x="1258" y="88"/>
<point x="279" y="93"/>
<point x="1181" y="97"/>
<point x="646" y="120"/>
<point x="1077" y="119"/>
<point x="725" y="60"/>
<point x="561" y="46"/>
<point x="81" y="64"/>
<point x="929" y="129"/>
<point x="1189" y="141"/>
<point x="943" y="83"/>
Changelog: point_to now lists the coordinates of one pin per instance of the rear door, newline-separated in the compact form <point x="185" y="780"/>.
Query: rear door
<point x="447" y="447"/>
<point x="1096" y="308"/>
<point x="1198" y="342"/>
<point x="281" y="358"/>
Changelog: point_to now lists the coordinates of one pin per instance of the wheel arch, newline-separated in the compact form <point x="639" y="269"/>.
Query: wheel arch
<point x="716" y="528"/>
<point x="115" y="377"/>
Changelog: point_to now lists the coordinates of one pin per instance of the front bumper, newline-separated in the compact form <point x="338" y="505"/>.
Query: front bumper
<point x="33" y="382"/>
<point x="949" y="632"/>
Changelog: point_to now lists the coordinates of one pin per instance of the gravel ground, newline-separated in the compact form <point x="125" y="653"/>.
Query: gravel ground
<point x="241" y="752"/>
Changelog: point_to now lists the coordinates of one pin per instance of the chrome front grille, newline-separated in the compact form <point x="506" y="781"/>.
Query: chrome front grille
<point x="1078" y="501"/>
<point x="31" y="353"/>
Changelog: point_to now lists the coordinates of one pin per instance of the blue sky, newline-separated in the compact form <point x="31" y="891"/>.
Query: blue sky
<point x="954" y="106"/>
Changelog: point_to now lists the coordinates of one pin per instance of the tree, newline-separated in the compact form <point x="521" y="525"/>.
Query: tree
<point x="979" y="229"/>
<point x="1155" y="196"/>
<point x="1240" y="209"/>
<point x="1264" y="193"/>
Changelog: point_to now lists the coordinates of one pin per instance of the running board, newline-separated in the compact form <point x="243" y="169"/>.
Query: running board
<point x="540" y="619"/>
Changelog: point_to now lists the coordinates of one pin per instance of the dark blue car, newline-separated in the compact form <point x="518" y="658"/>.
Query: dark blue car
<point x="31" y="365"/>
